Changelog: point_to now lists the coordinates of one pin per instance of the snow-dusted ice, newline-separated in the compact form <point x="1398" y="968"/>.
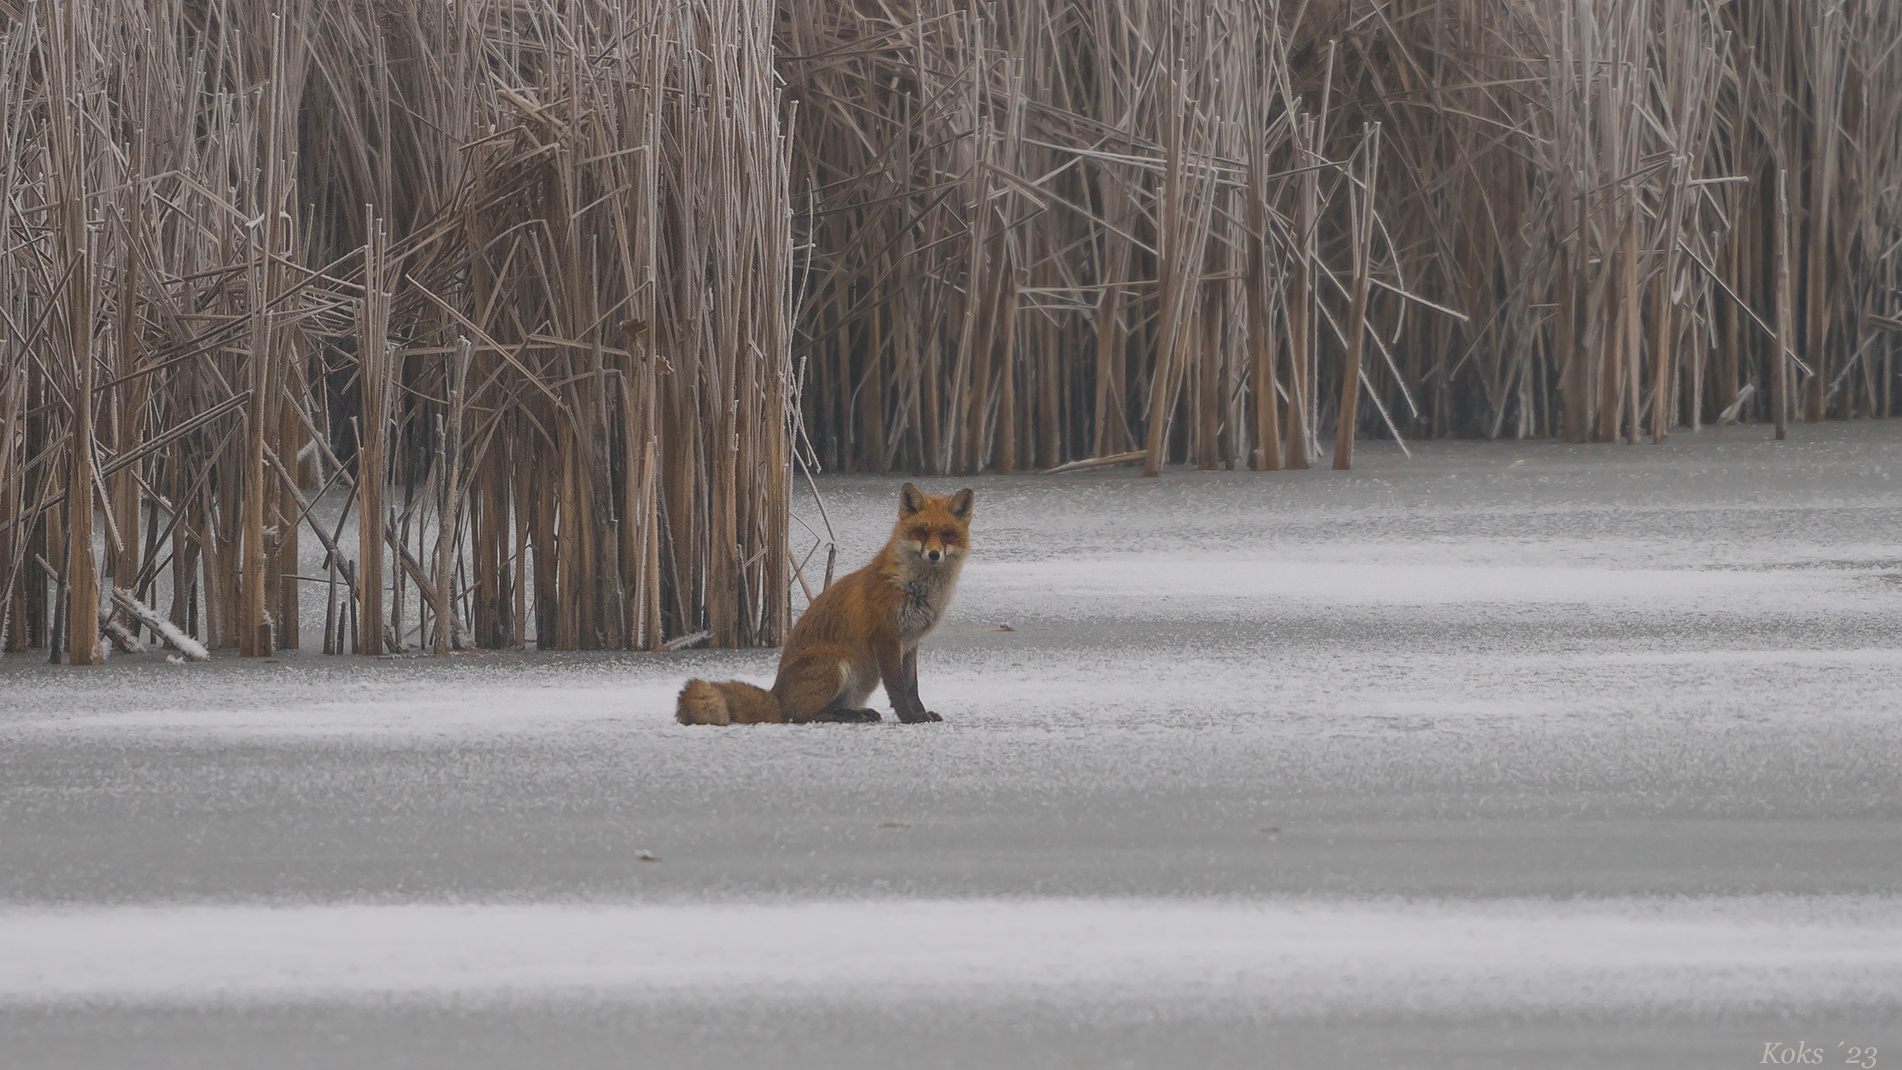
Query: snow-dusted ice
<point x="1511" y="754"/>
<point x="1300" y="956"/>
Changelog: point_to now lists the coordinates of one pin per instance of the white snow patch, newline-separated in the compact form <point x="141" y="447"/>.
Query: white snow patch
<point x="1287" y="957"/>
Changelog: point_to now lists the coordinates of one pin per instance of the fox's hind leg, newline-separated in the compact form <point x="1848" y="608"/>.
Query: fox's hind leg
<point x="822" y="686"/>
<point x="840" y="712"/>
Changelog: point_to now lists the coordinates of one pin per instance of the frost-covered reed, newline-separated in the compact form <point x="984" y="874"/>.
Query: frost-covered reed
<point x="514" y="279"/>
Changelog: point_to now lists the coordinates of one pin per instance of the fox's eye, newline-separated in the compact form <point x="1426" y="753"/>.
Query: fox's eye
<point x="948" y="535"/>
<point x="920" y="534"/>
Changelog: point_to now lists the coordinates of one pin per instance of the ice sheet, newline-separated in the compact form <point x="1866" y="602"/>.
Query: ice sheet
<point x="1296" y="957"/>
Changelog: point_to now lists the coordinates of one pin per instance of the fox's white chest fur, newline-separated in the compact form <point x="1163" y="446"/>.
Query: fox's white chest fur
<point x="927" y="593"/>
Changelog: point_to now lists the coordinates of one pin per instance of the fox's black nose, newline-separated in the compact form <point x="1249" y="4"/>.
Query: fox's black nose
<point x="934" y="554"/>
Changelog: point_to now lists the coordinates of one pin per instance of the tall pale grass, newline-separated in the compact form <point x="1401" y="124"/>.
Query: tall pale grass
<point x="1219" y="232"/>
<point x="512" y="279"/>
<point x="554" y="298"/>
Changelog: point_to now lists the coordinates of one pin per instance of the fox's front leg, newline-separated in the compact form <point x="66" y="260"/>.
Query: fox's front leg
<point x="899" y="673"/>
<point x="911" y="683"/>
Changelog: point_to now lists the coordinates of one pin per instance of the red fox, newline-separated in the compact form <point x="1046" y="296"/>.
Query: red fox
<point x="861" y="631"/>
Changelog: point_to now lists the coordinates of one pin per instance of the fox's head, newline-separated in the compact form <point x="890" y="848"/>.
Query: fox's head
<point x="934" y="528"/>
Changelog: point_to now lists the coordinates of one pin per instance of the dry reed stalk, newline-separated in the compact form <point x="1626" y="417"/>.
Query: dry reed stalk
<point x="375" y="396"/>
<point x="1361" y="201"/>
<point x="1779" y="360"/>
<point x="1302" y="391"/>
<point x="70" y="66"/>
<point x="1266" y="456"/>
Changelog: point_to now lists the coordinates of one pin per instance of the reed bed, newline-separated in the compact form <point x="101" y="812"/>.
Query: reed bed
<point x="1220" y="232"/>
<point x="519" y="318"/>
<point x="510" y="282"/>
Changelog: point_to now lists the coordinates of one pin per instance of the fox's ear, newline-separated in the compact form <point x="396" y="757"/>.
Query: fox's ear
<point x="960" y="504"/>
<point x="910" y="500"/>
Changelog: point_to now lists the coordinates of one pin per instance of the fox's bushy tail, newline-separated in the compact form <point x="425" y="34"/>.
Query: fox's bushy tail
<point x="732" y="702"/>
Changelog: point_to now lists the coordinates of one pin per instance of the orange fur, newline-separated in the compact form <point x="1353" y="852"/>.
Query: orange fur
<point x="732" y="702"/>
<point x="862" y="631"/>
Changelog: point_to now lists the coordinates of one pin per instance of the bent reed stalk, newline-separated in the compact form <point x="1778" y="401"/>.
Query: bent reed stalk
<point x="506" y="287"/>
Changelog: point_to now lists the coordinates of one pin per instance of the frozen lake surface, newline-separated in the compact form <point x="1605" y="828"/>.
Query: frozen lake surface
<point x="1508" y="755"/>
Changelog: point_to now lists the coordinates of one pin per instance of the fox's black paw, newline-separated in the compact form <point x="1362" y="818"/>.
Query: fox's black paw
<point x="866" y="716"/>
<point x="920" y="717"/>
